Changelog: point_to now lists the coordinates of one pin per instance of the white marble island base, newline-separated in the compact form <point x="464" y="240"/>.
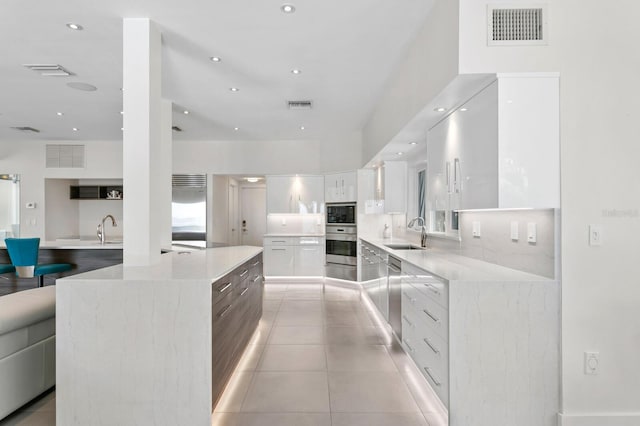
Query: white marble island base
<point x="134" y="344"/>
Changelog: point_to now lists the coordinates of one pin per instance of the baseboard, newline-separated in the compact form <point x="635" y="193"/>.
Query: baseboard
<point x="293" y="280"/>
<point x="624" y="419"/>
<point x="337" y="282"/>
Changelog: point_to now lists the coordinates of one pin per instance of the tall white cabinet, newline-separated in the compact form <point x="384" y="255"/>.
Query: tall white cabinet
<point x="295" y="194"/>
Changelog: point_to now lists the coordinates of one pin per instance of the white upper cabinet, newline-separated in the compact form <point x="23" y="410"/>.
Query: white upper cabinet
<point x="498" y="150"/>
<point x="340" y="187"/>
<point x="384" y="189"/>
<point x="295" y="194"/>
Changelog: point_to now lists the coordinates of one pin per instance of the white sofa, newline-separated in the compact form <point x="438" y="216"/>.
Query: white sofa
<point x="27" y="346"/>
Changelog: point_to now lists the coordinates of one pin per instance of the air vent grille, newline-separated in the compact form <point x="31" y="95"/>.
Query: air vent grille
<point x="65" y="156"/>
<point x="26" y="129"/>
<point x="300" y="104"/>
<point x="190" y="181"/>
<point x="49" y="70"/>
<point x="520" y="25"/>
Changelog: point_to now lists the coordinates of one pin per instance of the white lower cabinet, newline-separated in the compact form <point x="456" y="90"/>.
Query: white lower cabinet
<point x="294" y="256"/>
<point x="425" y="326"/>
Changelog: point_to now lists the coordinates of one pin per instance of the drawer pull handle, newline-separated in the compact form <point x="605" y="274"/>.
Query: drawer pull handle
<point x="277" y="249"/>
<point x="428" y="371"/>
<point x="225" y="288"/>
<point x="409" y="297"/>
<point x="256" y="278"/>
<point x="244" y="273"/>
<point x="430" y="315"/>
<point x="255" y="264"/>
<point x="406" y="342"/>
<point x="433" y="348"/>
<point x="278" y="241"/>
<point x="408" y="322"/>
<point x="224" y="311"/>
<point x="244" y="291"/>
<point x="432" y="288"/>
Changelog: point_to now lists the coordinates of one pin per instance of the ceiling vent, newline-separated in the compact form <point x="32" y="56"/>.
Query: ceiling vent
<point x="176" y="129"/>
<point x="300" y="104"/>
<point x="189" y="181"/>
<point x="521" y="25"/>
<point x="49" y="70"/>
<point x="26" y="129"/>
<point x="64" y="156"/>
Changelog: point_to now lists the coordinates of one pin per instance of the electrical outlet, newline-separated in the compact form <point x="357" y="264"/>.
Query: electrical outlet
<point x="476" y="229"/>
<point x="591" y="363"/>
<point x="514" y="231"/>
<point x="532" y="232"/>
<point x="595" y="235"/>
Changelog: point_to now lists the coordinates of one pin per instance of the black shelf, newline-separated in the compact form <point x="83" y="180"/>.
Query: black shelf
<point x="94" y="192"/>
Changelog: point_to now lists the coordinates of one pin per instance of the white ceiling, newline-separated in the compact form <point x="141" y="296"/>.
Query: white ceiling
<point x="345" y="49"/>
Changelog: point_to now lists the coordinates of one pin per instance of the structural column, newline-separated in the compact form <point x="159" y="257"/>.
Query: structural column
<point x="143" y="173"/>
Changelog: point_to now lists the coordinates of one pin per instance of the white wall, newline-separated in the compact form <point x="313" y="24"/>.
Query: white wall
<point x="600" y="151"/>
<point x="430" y="63"/>
<point x="218" y="210"/>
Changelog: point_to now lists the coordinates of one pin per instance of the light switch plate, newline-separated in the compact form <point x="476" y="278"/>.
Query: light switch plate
<point x="595" y="235"/>
<point x="532" y="232"/>
<point x="514" y="231"/>
<point x="591" y="363"/>
<point x="476" y="229"/>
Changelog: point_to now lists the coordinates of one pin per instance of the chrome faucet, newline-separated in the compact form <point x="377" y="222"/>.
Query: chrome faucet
<point x="423" y="230"/>
<point x="100" y="230"/>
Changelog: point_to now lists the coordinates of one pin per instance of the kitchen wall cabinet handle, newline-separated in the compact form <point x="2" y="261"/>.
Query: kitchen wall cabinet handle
<point x="433" y="348"/>
<point x="225" y="288"/>
<point x="273" y="241"/>
<point x="224" y="311"/>
<point x="246" y="289"/>
<point x="393" y="268"/>
<point x="457" y="173"/>
<point x="244" y="273"/>
<point x="448" y="177"/>
<point x="430" y="315"/>
<point x="432" y="377"/>
<point x="408" y="322"/>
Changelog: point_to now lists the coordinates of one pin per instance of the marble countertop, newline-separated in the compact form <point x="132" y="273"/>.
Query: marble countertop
<point x="453" y="267"/>
<point x="77" y="244"/>
<point x="208" y="264"/>
<point x="280" y="234"/>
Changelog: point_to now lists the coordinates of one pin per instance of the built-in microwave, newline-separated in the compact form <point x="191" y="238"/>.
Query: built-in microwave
<point x="341" y="213"/>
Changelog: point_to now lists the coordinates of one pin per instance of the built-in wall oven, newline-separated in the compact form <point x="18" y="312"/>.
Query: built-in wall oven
<point x="341" y="252"/>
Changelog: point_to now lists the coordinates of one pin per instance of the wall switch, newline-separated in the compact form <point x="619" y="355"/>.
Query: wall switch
<point x="532" y="232"/>
<point x="284" y="222"/>
<point x="476" y="229"/>
<point x="595" y="235"/>
<point x="514" y="231"/>
<point x="30" y="205"/>
<point x="591" y="363"/>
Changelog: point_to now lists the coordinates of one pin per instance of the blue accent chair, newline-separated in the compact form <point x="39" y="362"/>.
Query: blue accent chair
<point x="5" y="269"/>
<point x="24" y="256"/>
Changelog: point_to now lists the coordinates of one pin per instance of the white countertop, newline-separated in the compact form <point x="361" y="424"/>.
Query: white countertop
<point x="453" y="267"/>
<point x="209" y="264"/>
<point x="77" y="244"/>
<point x="292" y="235"/>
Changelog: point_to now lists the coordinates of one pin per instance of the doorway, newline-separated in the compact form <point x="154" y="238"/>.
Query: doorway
<point x="253" y="208"/>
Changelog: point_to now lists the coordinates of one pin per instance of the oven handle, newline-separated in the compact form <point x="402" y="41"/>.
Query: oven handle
<point x="341" y="237"/>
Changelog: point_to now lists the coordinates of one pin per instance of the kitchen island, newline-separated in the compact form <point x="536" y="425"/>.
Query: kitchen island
<point x="151" y="345"/>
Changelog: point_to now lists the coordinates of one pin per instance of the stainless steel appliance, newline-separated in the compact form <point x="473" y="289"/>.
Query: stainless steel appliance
<point x="394" y="280"/>
<point x="341" y="252"/>
<point x="189" y="208"/>
<point x="341" y="214"/>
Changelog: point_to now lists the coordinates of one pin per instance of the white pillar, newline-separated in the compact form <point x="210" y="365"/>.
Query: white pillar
<point x="142" y="147"/>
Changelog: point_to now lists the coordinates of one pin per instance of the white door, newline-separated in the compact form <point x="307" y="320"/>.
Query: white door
<point x="253" y="205"/>
<point x="234" y="231"/>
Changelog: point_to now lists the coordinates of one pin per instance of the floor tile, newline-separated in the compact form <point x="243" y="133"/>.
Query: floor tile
<point x="275" y="419"/>
<point x="234" y="393"/>
<point x="370" y="392"/>
<point x="355" y="336"/>
<point x="294" y="335"/>
<point x="342" y="319"/>
<point x="30" y="418"/>
<point x="378" y="419"/>
<point x="293" y="358"/>
<point x="300" y="318"/>
<point x="250" y="358"/>
<point x="288" y="392"/>
<point x="289" y="305"/>
<point x="359" y="358"/>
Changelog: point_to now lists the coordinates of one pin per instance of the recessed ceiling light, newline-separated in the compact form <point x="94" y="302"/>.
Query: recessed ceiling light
<point x="400" y="153"/>
<point x="288" y="8"/>
<point x="121" y="112"/>
<point x="236" y="128"/>
<point x="59" y="114"/>
<point x="76" y="27"/>
<point x="253" y="179"/>
<point x="301" y="127"/>
<point x="75" y="129"/>
<point x="122" y="128"/>
<point x="295" y="71"/>
<point x="413" y="143"/>
<point x="234" y="89"/>
<point x="185" y="112"/>
<point x="215" y="59"/>
<point x="440" y="109"/>
<point x="463" y="109"/>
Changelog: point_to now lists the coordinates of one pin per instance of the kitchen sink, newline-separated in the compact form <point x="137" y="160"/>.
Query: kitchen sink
<point x="404" y="246"/>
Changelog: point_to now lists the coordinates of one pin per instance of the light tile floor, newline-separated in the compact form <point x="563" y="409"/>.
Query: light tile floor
<point x="318" y="358"/>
